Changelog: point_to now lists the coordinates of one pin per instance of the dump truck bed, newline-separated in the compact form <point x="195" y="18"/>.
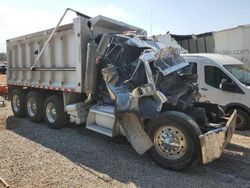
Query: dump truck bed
<point x="62" y="65"/>
<point x="57" y="68"/>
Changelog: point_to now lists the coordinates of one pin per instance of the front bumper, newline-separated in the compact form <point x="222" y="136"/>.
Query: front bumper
<point x="214" y="142"/>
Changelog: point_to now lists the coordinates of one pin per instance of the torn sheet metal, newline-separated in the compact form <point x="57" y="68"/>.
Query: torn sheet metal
<point x="135" y="132"/>
<point x="111" y="24"/>
<point x="214" y="142"/>
<point x="169" y="61"/>
<point x="146" y="44"/>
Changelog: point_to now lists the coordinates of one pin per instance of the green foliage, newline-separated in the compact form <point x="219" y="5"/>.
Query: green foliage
<point x="3" y="56"/>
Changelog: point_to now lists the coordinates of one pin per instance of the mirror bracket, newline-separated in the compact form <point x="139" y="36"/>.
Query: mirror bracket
<point x="103" y="44"/>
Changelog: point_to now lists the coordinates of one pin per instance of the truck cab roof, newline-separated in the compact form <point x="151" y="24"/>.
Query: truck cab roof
<point x="216" y="58"/>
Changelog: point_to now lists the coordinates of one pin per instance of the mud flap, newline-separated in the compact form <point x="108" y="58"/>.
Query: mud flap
<point x="134" y="132"/>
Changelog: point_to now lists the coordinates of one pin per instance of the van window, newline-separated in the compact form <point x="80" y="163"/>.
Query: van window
<point x="190" y="69"/>
<point x="240" y="71"/>
<point x="214" y="75"/>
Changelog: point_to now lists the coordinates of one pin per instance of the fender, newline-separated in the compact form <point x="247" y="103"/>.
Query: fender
<point x="181" y="115"/>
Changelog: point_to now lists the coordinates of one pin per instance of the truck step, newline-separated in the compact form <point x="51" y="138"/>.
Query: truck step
<point x="101" y="119"/>
<point x="99" y="129"/>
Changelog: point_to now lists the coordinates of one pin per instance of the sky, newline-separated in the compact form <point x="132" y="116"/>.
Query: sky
<point x="20" y="17"/>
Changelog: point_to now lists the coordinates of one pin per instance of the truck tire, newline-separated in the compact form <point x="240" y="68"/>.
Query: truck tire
<point x="176" y="141"/>
<point x="18" y="102"/>
<point x="54" y="114"/>
<point x="242" y="119"/>
<point x="34" y="106"/>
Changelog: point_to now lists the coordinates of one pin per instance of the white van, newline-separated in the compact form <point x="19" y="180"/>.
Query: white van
<point x="223" y="80"/>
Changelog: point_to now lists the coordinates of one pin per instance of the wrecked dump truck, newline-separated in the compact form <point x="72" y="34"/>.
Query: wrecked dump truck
<point x="110" y="76"/>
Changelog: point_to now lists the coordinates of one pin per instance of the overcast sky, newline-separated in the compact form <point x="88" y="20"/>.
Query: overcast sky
<point x="20" y="17"/>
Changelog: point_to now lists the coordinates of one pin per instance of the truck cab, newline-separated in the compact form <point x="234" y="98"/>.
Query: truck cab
<point x="223" y="80"/>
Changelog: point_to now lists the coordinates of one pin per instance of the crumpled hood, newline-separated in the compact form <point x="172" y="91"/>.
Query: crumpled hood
<point x="145" y="43"/>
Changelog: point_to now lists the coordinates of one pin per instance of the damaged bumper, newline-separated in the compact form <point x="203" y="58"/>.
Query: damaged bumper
<point x="214" y="142"/>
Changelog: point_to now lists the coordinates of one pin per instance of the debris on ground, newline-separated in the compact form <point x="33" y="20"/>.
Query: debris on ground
<point x="4" y="182"/>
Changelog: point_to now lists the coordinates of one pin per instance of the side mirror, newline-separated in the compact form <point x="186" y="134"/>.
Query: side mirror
<point x="103" y="44"/>
<point x="226" y="86"/>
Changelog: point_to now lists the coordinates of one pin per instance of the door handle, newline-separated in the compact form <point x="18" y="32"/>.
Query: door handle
<point x="205" y="89"/>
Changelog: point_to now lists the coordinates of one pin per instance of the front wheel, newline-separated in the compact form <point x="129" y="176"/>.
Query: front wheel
<point x="176" y="143"/>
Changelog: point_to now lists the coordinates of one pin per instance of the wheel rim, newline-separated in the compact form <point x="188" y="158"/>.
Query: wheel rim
<point x="51" y="112"/>
<point x="240" y="120"/>
<point x="170" y="142"/>
<point x="16" y="103"/>
<point x="31" y="106"/>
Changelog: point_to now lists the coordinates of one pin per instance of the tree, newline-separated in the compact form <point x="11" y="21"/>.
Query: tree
<point x="3" y="56"/>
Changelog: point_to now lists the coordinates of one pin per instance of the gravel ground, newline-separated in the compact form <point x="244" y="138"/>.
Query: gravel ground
<point x="32" y="155"/>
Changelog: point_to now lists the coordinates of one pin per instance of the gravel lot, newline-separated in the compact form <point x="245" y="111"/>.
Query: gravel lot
<point x="32" y="155"/>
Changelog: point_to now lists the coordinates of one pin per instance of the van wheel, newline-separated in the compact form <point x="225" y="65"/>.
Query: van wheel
<point x="34" y="106"/>
<point x="54" y="114"/>
<point x="18" y="102"/>
<point x="176" y="144"/>
<point x="242" y="119"/>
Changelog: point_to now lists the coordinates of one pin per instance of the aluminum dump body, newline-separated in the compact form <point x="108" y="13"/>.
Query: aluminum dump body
<point x="62" y="64"/>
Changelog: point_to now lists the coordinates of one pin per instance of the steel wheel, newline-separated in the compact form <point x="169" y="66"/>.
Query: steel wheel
<point x="34" y="106"/>
<point x="31" y="106"/>
<point x="16" y="103"/>
<point x="176" y="140"/>
<point x="51" y="113"/>
<point x="54" y="114"/>
<point x="170" y="142"/>
<point x="17" y="99"/>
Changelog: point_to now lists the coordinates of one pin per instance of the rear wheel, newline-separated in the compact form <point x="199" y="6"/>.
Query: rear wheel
<point x="176" y="143"/>
<point x="18" y="102"/>
<point x="34" y="106"/>
<point x="242" y="119"/>
<point x="54" y="114"/>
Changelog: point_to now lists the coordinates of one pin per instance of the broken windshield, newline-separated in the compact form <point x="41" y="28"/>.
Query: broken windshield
<point x="168" y="61"/>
